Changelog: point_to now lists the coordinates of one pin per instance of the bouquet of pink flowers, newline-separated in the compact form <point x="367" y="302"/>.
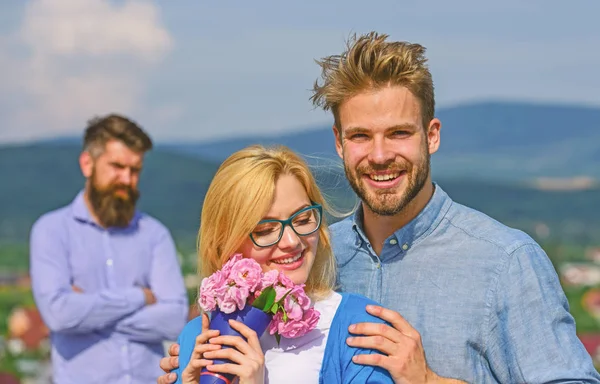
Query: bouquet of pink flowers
<point x="241" y="283"/>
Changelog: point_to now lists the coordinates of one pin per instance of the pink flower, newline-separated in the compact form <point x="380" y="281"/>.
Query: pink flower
<point x="275" y="322"/>
<point x="269" y="279"/>
<point x="294" y="328"/>
<point x="208" y="303"/>
<point x="228" y="266"/>
<point x="300" y="297"/>
<point x="286" y="281"/>
<point x="212" y="289"/>
<point x="246" y="273"/>
<point x="280" y="291"/>
<point x="293" y="310"/>
<point x="311" y="318"/>
<point x="235" y="298"/>
<point x="297" y="328"/>
<point x="294" y="303"/>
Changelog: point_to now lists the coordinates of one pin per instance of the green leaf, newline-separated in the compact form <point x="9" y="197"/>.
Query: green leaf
<point x="274" y="308"/>
<point x="266" y="299"/>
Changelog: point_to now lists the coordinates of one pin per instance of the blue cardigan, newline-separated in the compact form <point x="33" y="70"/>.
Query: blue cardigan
<point x="337" y="366"/>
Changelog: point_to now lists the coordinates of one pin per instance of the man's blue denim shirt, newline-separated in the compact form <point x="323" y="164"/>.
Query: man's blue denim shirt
<point x="485" y="297"/>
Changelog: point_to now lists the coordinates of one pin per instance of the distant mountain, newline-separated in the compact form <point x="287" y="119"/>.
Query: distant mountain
<point x="312" y="141"/>
<point x="39" y="177"/>
<point x="492" y="141"/>
<point x="519" y="141"/>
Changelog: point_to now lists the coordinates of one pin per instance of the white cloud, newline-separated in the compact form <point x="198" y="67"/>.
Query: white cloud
<point x="82" y="58"/>
<point x="94" y="28"/>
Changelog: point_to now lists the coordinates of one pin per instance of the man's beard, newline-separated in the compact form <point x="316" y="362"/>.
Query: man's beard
<point x="390" y="203"/>
<point x="111" y="209"/>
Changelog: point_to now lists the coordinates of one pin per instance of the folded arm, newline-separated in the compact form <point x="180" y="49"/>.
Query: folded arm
<point x="62" y="309"/>
<point x="167" y="317"/>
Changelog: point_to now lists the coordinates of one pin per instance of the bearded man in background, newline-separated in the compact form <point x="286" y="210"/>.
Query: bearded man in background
<point x="105" y="276"/>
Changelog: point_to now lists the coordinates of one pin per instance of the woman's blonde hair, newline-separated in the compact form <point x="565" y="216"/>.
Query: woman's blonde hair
<point x="240" y="194"/>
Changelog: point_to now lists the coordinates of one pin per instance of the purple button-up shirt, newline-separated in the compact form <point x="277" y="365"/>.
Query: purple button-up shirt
<point x="106" y="334"/>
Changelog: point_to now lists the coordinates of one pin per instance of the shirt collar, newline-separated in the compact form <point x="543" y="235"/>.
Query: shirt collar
<point x="80" y="209"/>
<point x="421" y="226"/>
<point x="82" y="213"/>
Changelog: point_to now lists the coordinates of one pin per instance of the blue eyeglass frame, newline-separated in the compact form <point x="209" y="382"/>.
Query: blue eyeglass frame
<point x="284" y="223"/>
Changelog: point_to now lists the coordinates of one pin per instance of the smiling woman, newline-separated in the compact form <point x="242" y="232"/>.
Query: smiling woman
<point x="288" y="239"/>
<point x="250" y="189"/>
<point x="264" y="203"/>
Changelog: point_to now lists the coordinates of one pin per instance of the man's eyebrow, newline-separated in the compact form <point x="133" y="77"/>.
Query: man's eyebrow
<point x="404" y="126"/>
<point x="118" y="164"/>
<point x="354" y="130"/>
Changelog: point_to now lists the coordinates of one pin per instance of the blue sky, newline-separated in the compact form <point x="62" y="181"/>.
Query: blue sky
<point x="196" y="70"/>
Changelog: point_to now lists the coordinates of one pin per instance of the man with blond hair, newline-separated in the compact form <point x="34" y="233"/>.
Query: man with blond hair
<point x="467" y="299"/>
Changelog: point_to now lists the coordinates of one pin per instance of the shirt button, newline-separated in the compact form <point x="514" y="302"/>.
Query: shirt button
<point x="109" y="262"/>
<point x="405" y="247"/>
<point x="393" y="241"/>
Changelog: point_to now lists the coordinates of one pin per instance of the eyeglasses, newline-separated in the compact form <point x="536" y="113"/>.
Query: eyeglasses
<point x="303" y="223"/>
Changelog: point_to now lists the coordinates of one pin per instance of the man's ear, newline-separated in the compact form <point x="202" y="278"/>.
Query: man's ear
<point x="433" y="135"/>
<point x="338" y="141"/>
<point x="86" y="163"/>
